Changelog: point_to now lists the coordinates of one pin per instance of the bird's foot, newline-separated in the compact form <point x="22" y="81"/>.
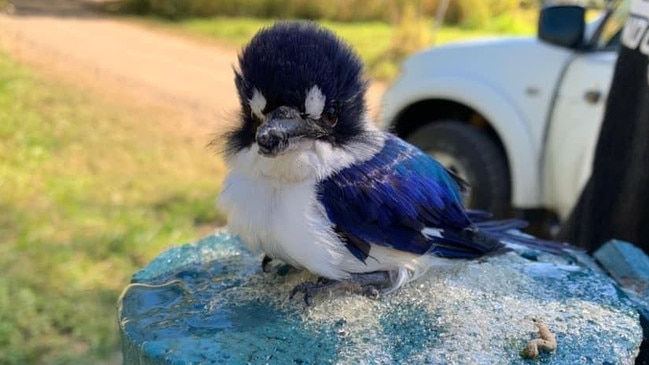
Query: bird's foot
<point x="364" y="284"/>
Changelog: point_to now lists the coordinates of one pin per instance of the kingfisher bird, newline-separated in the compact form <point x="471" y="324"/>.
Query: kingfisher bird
<point x="312" y="181"/>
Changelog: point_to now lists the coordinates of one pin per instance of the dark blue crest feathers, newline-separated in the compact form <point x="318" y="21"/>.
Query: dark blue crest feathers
<point x="287" y="59"/>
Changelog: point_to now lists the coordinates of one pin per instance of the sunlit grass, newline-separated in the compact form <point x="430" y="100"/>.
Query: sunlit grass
<point x="90" y="192"/>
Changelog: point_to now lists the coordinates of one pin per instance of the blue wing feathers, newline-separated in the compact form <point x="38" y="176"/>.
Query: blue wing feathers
<point x="390" y="198"/>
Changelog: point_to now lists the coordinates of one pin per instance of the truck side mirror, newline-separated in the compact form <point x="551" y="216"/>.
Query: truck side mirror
<point x="563" y="25"/>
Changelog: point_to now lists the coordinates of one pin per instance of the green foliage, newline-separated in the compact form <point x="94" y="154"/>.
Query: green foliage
<point x="4" y="5"/>
<point x="411" y="33"/>
<point x="478" y="14"/>
<point x="472" y="13"/>
<point x="390" y="29"/>
<point x="380" y="45"/>
<point x="89" y="195"/>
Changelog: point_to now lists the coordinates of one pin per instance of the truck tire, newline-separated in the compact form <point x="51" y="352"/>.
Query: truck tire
<point x="475" y="157"/>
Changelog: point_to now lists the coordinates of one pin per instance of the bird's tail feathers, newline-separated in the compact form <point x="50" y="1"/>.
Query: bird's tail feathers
<point x="484" y="238"/>
<point x="476" y="215"/>
<point x="488" y="237"/>
<point x="502" y="225"/>
<point x="467" y="243"/>
<point x="507" y="232"/>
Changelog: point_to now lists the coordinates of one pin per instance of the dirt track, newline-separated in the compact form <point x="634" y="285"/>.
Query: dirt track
<point x="127" y="62"/>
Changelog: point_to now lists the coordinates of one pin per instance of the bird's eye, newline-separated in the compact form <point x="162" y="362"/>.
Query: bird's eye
<point x="330" y="115"/>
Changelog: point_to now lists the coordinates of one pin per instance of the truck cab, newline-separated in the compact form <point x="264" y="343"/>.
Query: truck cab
<point x="517" y="118"/>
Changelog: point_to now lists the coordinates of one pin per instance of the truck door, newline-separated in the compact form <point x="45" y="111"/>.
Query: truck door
<point x="574" y="127"/>
<point x="578" y="111"/>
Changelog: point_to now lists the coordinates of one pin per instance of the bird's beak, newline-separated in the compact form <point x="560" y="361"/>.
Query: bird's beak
<point x="283" y="128"/>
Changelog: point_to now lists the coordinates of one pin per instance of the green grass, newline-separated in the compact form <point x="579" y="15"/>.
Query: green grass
<point x="371" y="40"/>
<point x="89" y="193"/>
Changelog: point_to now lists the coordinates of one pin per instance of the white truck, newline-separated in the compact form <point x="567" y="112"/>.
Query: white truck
<point x="518" y="118"/>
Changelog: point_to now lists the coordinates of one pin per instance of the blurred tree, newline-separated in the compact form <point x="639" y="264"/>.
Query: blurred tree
<point x="440" y="15"/>
<point x="472" y="13"/>
<point x="412" y="31"/>
<point x="475" y="13"/>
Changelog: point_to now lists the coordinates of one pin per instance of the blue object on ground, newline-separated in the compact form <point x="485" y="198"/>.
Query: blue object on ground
<point x="210" y="303"/>
<point x="627" y="264"/>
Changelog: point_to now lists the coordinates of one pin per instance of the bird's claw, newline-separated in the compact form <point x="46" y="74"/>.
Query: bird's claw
<point x="310" y="289"/>
<point x="265" y="262"/>
<point x="371" y="292"/>
<point x="363" y="284"/>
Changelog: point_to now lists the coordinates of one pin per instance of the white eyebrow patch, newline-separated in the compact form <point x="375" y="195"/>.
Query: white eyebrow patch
<point x="257" y="103"/>
<point x="314" y="102"/>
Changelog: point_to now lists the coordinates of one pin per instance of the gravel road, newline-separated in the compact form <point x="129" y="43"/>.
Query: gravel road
<point x="127" y="61"/>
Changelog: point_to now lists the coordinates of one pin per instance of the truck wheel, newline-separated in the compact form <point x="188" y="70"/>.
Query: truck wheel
<point x="475" y="157"/>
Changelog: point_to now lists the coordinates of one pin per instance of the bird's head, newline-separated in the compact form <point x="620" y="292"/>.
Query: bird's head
<point x="297" y="83"/>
